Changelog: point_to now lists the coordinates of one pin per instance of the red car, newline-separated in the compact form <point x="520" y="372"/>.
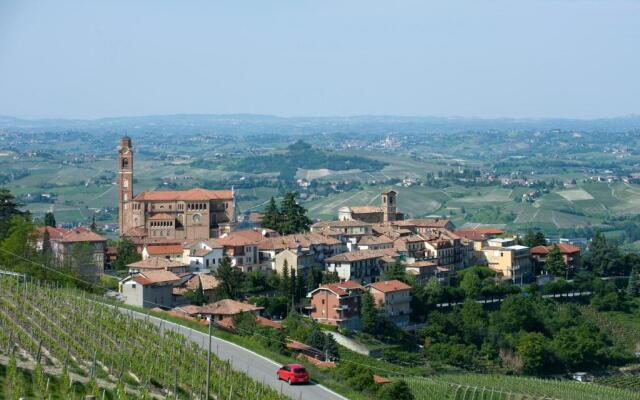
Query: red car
<point x="293" y="373"/>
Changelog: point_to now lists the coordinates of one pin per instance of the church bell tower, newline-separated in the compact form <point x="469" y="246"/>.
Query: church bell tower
<point x="125" y="184"/>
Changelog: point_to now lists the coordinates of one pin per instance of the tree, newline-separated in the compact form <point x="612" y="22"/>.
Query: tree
<point x="396" y="271"/>
<point x="316" y="339"/>
<point x="396" y="390"/>
<point x="126" y="254"/>
<point x="285" y="282"/>
<point x="533" y="348"/>
<point x="8" y="209"/>
<point x="603" y="258"/>
<point x="49" y="219"/>
<point x="369" y="314"/>
<point x="330" y="277"/>
<point x="471" y="284"/>
<point x="82" y="261"/>
<point x="230" y="280"/>
<point x="533" y="239"/>
<point x="294" y="216"/>
<point x="331" y="349"/>
<point x="94" y="227"/>
<point x="196" y="296"/>
<point x="271" y="216"/>
<point x="554" y="263"/>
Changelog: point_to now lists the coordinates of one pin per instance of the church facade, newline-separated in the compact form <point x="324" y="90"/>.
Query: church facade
<point x="169" y="216"/>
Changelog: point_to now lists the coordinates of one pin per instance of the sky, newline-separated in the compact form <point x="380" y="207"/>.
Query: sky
<point x="470" y="58"/>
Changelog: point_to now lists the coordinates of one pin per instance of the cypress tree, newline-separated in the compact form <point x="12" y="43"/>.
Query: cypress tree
<point x="49" y="219"/>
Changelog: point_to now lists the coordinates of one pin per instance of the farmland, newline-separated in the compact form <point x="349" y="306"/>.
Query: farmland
<point x="501" y="387"/>
<point x="64" y="330"/>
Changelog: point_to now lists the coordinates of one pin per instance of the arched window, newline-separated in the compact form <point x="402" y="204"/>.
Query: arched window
<point x="125" y="183"/>
<point x="125" y="163"/>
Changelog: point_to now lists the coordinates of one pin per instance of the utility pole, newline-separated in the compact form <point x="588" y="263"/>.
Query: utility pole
<point x="209" y="359"/>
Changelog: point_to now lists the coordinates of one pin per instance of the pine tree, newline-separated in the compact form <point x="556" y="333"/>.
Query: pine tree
<point x="331" y="348"/>
<point x="541" y="240"/>
<point x="294" y="216"/>
<point x="230" y="280"/>
<point x="285" y="282"/>
<point x="49" y="219"/>
<point x="293" y="290"/>
<point x="271" y="216"/>
<point x="8" y="209"/>
<point x="369" y="314"/>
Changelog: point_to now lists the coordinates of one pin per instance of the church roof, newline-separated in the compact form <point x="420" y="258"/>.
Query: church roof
<point x="196" y="194"/>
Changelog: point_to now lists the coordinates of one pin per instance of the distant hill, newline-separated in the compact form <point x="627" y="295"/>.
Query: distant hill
<point x="254" y="123"/>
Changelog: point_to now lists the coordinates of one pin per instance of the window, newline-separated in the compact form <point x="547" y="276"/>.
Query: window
<point x="125" y="183"/>
<point x="133" y="286"/>
<point x="196" y="218"/>
<point x="125" y="163"/>
<point x="125" y="197"/>
<point x="322" y="301"/>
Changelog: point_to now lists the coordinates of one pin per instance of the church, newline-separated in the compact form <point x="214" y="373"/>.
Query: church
<point x="169" y="216"/>
<point x="387" y="212"/>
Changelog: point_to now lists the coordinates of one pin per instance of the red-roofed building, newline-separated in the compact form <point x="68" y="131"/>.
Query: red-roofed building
<point x="337" y="304"/>
<point x="394" y="299"/>
<point x="169" y="251"/>
<point x="150" y="288"/>
<point x="79" y="245"/>
<point x="167" y="216"/>
<point x="242" y="248"/>
<point x="570" y="254"/>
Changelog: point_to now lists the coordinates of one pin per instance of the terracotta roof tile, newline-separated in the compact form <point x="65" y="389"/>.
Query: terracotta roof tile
<point x="154" y="249"/>
<point x="389" y="286"/>
<point x="153" y="277"/>
<point x="196" y="194"/>
<point x="303" y="240"/>
<point x="81" y="235"/>
<point x="241" y="238"/>
<point x="362" y="255"/>
<point x="228" y="307"/>
<point x="157" y="263"/>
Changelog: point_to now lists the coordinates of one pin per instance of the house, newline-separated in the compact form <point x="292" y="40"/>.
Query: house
<point x="171" y="252"/>
<point x="68" y="246"/>
<point x="510" y="261"/>
<point x="203" y="254"/>
<point x="371" y="242"/>
<point x="350" y="230"/>
<point x="372" y="214"/>
<point x="337" y="304"/>
<point x="570" y="254"/>
<point x="362" y="265"/>
<point x="157" y="264"/>
<point x="226" y="308"/>
<point x="410" y="246"/>
<point x="394" y="300"/>
<point x="242" y="248"/>
<point x="425" y="225"/>
<point x="301" y="251"/>
<point x="423" y="271"/>
<point x="149" y="288"/>
<point x="199" y="281"/>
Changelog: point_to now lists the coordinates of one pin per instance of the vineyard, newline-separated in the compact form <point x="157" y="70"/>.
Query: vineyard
<point x="502" y="387"/>
<point x="62" y="330"/>
<point x="631" y="382"/>
<point x="622" y="327"/>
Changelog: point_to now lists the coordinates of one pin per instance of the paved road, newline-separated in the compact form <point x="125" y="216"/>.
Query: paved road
<point x="256" y="366"/>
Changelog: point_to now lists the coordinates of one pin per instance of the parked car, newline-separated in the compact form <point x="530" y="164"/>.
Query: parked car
<point x="293" y="373"/>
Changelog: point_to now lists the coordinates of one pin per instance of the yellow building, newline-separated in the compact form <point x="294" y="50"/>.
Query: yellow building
<point x="509" y="260"/>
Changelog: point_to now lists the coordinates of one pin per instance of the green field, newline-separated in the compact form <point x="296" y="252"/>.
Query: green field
<point x="502" y="387"/>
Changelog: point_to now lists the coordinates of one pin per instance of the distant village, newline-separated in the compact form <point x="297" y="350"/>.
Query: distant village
<point x="184" y="236"/>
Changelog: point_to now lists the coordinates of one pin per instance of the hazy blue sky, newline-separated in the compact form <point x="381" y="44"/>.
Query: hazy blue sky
<point x="494" y="58"/>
